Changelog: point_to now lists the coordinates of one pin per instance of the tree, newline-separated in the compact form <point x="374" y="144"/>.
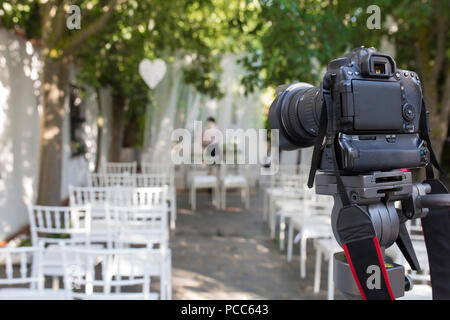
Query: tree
<point x="108" y="54"/>
<point x="299" y="37"/>
<point x="146" y="30"/>
<point x="157" y="29"/>
<point x="46" y="21"/>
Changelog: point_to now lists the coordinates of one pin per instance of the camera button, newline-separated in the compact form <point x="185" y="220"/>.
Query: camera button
<point x="391" y="139"/>
<point x="409" y="114"/>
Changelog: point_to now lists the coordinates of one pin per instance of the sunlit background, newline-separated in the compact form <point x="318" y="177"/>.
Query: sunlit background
<point x="76" y="96"/>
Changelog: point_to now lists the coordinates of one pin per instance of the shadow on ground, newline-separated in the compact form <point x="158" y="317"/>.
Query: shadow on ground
<point x="220" y="254"/>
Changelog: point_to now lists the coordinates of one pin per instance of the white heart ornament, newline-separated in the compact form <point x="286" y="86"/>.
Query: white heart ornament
<point x="152" y="71"/>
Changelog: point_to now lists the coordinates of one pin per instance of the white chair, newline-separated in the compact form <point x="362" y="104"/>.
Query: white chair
<point x="203" y="181"/>
<point x="22" y="277"/>
<point x="287" y="208"/>
<point x="153" y="197"/>
<point x="111" y="180"/>
<point x="96" y="198"/>
<point x="120" y="167"/>
<point x="161" y="180"/>
<point x="52" y="226"/>
<point x="419" y="292"/>
<point x="234" y="180"/>
<point x="422" y="280"/>
<point x="285" y="186"/>
<point x="315" y="223"/>
<point x="137" y="226"/>
<point x="152" y="168"/>
<point x="325" y="248"/>
<point x="84" y="279"/>
<point x="145" y="227"/>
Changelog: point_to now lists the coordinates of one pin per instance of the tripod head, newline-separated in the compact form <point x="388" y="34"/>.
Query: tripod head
<point x="378" y="194"/>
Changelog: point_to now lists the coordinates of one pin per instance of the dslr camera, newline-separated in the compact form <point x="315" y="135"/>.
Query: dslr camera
<point x="366" y="121"/>
<point x="375" y="112"/>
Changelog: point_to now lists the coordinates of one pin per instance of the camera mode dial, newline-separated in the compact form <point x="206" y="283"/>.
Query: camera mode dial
<point x="409" y="114"/>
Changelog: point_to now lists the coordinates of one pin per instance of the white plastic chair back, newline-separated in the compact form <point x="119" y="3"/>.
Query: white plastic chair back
<point x="121" y="167"/>
<point x="21" y="267"/>
<point x="138" y="226"/>
<point x="98" y="273"/>
<point x="95" y="197"/>
<point x="59" y="224"/>
<point x="152" y="168"/>
<point x="155" y="197"/>
<point x="111" y="180"/>
<point x="153" y="180"/>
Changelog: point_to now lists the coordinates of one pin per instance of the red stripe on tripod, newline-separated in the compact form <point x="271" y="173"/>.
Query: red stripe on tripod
<point x="383" y="267"/>
<point x="350" y="263"/>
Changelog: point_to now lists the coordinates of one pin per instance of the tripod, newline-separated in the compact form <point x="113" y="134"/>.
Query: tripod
<point x="378" y="193"/>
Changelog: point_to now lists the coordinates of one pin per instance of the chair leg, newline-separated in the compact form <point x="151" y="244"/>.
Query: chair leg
<point x="273" y="221"/>
<point x="265" y="208"/>
<point x="247" y="198"/>
<point x="55" y="283"/>
<point x="282" y="232"/>
<point x="331" y="277"/>
<point x="290" y="242"/>
<point x="193" y="199"/>
<point x="224" y="198"/>
<point x="169" y="279"/>
<point x="317" y="271"/>
<point x="173" y="212"/>
<point x="303" y="241"/>
<point x="270" y="209"/>
<point x="162" y="284"/>
<point x="190" y="196"/>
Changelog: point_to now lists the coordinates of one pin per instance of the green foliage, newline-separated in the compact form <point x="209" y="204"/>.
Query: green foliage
<point x="151" y="29"/>
<point x="21" y="13"/>
<point x="299" y="37"/>
<point x="199" y="29"/>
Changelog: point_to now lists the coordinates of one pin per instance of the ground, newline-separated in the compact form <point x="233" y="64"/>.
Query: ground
<point x="228" y="255"/>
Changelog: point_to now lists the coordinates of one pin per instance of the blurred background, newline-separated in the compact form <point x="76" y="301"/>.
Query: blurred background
<point x="85" y="83"/>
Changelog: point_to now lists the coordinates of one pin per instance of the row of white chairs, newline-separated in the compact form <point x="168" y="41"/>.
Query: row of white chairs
<point x="131" y="167"/>
<point x="89" y="273"/>
<point x="152" y="175"/>
<point x="108" y="218"/>
<point x="219" y="184"/>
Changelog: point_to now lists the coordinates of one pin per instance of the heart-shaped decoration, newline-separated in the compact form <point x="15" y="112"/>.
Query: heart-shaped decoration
<point x="152" y="71"/>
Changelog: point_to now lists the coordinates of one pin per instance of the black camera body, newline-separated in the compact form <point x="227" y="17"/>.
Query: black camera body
<point x="375" y="113"/>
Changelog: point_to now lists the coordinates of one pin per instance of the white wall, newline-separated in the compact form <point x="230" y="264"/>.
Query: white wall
<point x="20" y="110"/>
<point x="19" y="130"/>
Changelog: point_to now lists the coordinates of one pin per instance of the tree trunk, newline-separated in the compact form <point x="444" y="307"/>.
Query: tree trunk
<point x="53" y="90"/>
<point x="439" y="109"/>
<point x="100" y="122"/>
<point x="118" y="106"/>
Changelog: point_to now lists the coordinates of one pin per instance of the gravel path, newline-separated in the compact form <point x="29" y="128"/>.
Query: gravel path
<point x="227" y="255"/>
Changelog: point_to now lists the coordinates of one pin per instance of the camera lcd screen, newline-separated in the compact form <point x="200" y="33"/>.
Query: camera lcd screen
<point x="377" y="104"/>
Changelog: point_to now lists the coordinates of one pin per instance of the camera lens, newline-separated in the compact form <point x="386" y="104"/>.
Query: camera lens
<point x="296" y="113"/>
